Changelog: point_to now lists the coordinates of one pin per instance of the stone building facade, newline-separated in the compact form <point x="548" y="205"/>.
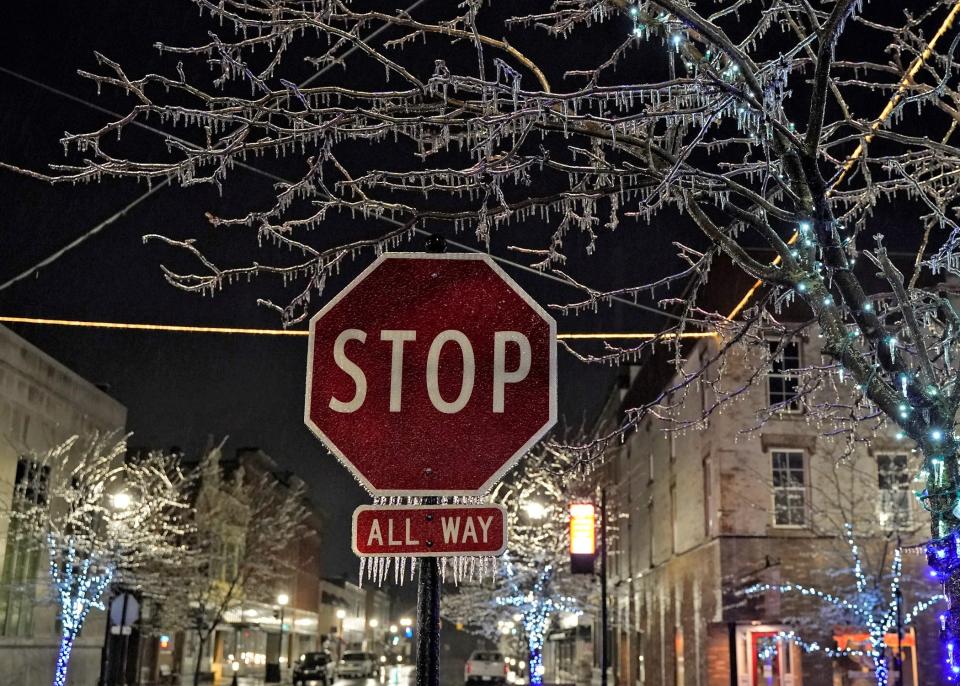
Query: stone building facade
<point x="698" y="515"/>
<point x="42" y="403"/>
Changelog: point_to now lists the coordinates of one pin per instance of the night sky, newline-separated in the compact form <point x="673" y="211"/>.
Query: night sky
<point x="180" y="388"/>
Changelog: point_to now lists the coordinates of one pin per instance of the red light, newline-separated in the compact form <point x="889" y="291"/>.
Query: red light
<point x="468" y="667"/>
<point x="582" y="529"/>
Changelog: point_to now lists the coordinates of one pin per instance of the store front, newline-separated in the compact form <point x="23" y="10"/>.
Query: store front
<point x="764" y="658"/>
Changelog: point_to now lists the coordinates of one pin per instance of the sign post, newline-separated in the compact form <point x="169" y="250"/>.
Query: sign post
<point x="430" y="375"/>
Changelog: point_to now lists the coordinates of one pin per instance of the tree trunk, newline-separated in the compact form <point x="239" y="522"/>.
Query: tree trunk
<point x="534" y="663"/>
<point x="943" y="553"/>
<point x="63" y="658"/>
<point x="196" y="667"/>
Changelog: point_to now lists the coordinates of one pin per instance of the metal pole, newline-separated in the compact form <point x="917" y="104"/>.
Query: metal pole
<point x="898" y="662"/>
<point x="280" y="656"/>
<point x="604" y="618"/>
<point x="125" y="639"/>
<point x="428" y="619"/>
<point x="428" y="583"/>
<point x="105" y="650"/>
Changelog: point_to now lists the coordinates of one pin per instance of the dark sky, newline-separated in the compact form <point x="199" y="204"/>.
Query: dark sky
<point x="180" y="388"/>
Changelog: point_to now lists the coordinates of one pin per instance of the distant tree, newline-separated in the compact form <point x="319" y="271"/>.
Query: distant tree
<point x="102" y="520"/>
<point x="243" y="524"/>
<point x="758" y="122"/>
<point x="530" y="584"/>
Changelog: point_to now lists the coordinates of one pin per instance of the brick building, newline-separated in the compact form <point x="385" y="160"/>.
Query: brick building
<point x="696" y="516"/>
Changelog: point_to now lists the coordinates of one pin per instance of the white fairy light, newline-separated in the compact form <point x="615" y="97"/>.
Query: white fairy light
<point x="879" y="619"/>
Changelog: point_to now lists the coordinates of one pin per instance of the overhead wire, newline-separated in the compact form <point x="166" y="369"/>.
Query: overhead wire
<point x="273" y="177"/>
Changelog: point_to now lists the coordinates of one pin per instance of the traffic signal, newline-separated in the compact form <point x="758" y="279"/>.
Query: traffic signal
<point x="583" y="537"/>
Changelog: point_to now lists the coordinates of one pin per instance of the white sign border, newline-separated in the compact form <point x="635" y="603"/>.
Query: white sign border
<point x="512" y="461"/>
<point x="422" y="506"/>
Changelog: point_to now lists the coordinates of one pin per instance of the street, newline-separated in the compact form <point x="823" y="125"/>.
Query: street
<point x="395" y="676"/>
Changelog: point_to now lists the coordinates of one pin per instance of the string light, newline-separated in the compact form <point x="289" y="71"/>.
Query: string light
<point x="876" y="616"/>
<point x="536" y="608"/>
<point x="79" y="584"/>
<point x="178" y="328"/>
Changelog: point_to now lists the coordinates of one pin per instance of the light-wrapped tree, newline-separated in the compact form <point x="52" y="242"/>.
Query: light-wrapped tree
<point x="875" y="603"/>
<point x="102" y="520"/>
<point x="531" y="584"/>
<point x="781" y="125"/>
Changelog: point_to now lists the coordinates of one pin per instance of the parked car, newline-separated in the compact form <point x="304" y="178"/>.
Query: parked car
<point x="358" y="665"/>
<point x="313" y="667"/>
<point x="485" y="667"/>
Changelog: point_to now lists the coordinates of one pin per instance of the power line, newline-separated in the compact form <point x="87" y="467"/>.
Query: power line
<point x="273" y="177"/>
<point x="84" y="236"/>
<point x="166" y="182"/>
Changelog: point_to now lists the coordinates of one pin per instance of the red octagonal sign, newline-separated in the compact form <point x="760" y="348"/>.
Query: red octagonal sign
<point x="431" y="374"/>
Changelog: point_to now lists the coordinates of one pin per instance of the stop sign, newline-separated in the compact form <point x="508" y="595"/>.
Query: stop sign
<point x="431" y="374"/>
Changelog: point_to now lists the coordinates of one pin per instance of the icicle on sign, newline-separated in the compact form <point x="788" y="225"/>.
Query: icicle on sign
<point x="431" y="375"/>
<point x="434" y="531"/>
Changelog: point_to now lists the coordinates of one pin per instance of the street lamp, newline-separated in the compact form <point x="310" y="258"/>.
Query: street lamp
<point x="535" y="510"/>
<point x="282" y="600"/>
<point x="121" y="500"/>
<point x="341" y="615"/>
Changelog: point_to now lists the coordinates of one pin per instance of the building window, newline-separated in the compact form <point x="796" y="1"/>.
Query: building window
<point x="21" y="555"/>
<point x="783" y="380"/>
<point x="789" y="488"/>
<point x="678" y="649"/>
<point x="709" y="499"/>
<point x="896" y="500"/>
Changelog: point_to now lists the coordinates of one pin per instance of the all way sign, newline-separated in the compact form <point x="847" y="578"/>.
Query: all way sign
<point x="429" y="530"/>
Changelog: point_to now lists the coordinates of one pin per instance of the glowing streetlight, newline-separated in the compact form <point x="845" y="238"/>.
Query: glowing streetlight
<point x="341" y="614"/>
<point x="374" y="623"/>
<point x="121" y="500"/>
<point x="283" y="600"/>
<point x="406" y="621"/>
<point x="535" y="510"/>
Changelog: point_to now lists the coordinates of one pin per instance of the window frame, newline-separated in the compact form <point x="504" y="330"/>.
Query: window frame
<point x="804" y="489"/>
<point x="905" y="490"/>
<point x="773" y="343"/>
